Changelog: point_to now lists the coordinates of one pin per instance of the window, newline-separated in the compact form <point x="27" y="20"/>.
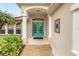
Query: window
<point x="34" y="27"/>
<point x="2" y="31"/>
<point x="10" y="29"/>
<point x="18" y="27"/>
<point x="41" y="27"/>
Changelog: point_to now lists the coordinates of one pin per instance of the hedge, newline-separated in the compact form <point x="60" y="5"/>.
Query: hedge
<point x="10" y="45"/>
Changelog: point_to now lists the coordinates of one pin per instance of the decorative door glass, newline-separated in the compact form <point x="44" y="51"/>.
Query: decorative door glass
<point x="37" y="28"/>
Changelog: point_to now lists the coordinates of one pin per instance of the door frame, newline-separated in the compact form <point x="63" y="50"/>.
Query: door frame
<point x="44" y="28"/>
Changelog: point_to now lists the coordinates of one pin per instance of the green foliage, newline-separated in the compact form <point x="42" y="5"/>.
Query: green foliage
<point x="10" y="45"/>
<point x="7" y="18"/>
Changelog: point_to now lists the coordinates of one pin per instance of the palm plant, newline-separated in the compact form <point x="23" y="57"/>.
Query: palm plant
<point x="6" y="18"/>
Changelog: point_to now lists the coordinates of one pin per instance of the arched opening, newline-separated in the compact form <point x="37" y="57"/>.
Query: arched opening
<point x="37" y="24"/>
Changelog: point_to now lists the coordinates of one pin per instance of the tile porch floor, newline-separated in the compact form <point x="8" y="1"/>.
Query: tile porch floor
<point x="37" y="49"/>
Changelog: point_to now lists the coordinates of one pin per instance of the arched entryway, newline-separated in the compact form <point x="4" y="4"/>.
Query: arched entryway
<point x="37" y="27"/>
<point x="36" y="23"/>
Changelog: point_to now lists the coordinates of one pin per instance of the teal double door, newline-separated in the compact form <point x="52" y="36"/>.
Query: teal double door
<point x="37" y="29"/>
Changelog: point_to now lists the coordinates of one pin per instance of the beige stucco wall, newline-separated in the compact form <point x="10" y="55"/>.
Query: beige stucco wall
<point x="62" y="43"/>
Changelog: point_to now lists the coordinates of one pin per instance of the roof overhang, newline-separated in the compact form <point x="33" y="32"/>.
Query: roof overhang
<point x="33" y="4"/>
<point x="53" y="7"/>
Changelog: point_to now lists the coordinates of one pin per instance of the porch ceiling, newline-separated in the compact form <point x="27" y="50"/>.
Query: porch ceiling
<point x="37" y="11"/>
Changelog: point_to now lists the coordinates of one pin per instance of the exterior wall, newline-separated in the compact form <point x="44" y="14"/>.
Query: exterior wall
<point x="62" y="42"/>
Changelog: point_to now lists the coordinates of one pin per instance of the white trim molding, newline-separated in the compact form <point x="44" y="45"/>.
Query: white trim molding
<point x="31" y="7"/>
<point x="50" y="26"/>
<point x="6" y="29"/>
<point x="14" y="27"/>
<point x="75" y="6"/>
<point x="75" y="52"/>
<point x="75" y="30"/>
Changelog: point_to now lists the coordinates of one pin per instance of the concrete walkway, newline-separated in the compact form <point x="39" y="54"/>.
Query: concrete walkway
<point x="37" y="50"/>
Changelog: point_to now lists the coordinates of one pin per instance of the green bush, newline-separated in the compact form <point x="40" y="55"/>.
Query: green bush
<point x="10" y="45"/>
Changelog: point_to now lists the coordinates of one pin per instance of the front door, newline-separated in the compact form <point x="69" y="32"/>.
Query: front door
<point x="38" y="29"/>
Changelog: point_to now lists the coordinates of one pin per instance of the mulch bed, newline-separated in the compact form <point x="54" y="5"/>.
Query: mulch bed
<point x="23" y="46"/>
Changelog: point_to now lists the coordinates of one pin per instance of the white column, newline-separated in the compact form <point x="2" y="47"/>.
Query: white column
<point x="50" y="26"/>
<point x="6" y="29"/>
<point x="75" y="13"/>
<point x="24" y="27"/>
<point x="14" y="29"/>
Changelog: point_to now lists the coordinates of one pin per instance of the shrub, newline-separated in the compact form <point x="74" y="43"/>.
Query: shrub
<point x="10" y="45"/>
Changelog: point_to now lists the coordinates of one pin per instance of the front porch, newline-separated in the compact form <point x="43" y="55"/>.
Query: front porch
<point x="37" y="50"/>
<point x="36" y="22"/>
